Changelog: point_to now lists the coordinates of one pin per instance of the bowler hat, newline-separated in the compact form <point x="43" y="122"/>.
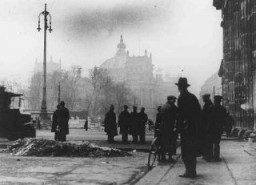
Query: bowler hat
<point x="182" y="82"/>
<point x="217" y="97"/>
<point x="206" y="96"/>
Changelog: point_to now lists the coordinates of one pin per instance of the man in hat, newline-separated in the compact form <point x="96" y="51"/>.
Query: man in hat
<point x="110" y="124"/>
<point x="123" y="123"/>
<point x="217" y="121"/>
<point x="63" y="118"/>
<point x="55" y="124"/>
<point x="134" y="124"/>
<point x="189" y="115"/>
<point x="142" y="118"/>
<point x="205" y="121"/>
<point x="168" y="114"/>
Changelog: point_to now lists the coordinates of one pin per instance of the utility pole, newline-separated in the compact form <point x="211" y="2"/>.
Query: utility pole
<point x="59" y="93"/>
<point x="45" y="14"/>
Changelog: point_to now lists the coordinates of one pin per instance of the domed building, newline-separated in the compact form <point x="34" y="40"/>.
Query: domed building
<point x="136" y="72"/>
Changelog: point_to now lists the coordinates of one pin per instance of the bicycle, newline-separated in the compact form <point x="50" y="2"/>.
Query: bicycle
<point x="155" y="150"/>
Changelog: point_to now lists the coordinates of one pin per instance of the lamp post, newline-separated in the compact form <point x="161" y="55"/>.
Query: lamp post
<point x="45" y="14"/>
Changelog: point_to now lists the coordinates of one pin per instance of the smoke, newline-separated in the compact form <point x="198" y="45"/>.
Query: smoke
<point x="94" y="21"/>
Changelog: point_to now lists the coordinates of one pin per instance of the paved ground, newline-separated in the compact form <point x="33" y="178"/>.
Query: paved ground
<point x="65" y="170"/>
<point x="238" y="167"/>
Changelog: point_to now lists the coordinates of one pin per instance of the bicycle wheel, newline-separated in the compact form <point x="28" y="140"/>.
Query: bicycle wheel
<point x="153" y="153"/>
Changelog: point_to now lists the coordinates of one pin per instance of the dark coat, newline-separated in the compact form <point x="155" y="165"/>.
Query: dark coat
<point x="63" y="118"/>
<point x="189" y="116"/>
<point x="168" y="116"/>
<point x="142" y="120"/>
<point x="205" y="118"/>
<point x="110" y="123"/>
<point x="54" y="120"/>
<point x="124" y="121"/>
<point x="158" y="121"/>
<point x="218" y="118"/>
<point x="134" y="122"/>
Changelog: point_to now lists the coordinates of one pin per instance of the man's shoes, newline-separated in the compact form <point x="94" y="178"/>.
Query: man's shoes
<point x="188" y="175"/>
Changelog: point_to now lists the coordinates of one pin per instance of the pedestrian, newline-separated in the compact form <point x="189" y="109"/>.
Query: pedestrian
<point x="189" y="114"/>
<point x="142" y="120"/>
<point x="63" y="118"/>
<point x="55" y="123"/>
<point x="110" y="124"/>
<point x="134" y="125"/>
<point x="218" y="115"/>
<point x="38" y="122"/>
<point x="228" y="125"/>
<point x="205" y="120"/>
<point x="168" y="114"/>
<point x="123" y="123"/>
<point x="86" y="124"/>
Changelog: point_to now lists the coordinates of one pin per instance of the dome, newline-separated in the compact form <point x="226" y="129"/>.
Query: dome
<point x="115" y="62"/>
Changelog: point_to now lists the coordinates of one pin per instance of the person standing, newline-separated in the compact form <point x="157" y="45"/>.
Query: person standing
<point x="123" y="123"/>
<point x="158" y="119"/>
<point x="168" y="114"/>
<point x="63" y="118"/>
<point x="110" y="124"/>
<point x="143" y="118"/>
<point x="134" y="125"/>
<point x="55" y="123"/>
<point x="218" y="117"/>
<point x="189" y="115"/>
<point x="205" y="121"/>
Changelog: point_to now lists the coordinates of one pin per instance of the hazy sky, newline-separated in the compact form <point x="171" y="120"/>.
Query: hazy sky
<point x="180" y="34"/>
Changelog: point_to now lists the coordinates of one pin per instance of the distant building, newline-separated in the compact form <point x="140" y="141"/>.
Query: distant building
<point x="211" y="86"/>
<point x="137" y="73"/>
<point x="50" y="66"/>
<point x="239" y="55"/>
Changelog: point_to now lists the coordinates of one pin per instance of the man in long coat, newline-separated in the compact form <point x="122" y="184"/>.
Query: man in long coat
<point x="134" y="124"/>
<point x="168" y="115"/>
<point x="143" y="118"/>
<point x="189" y="115"/>
<point x="110" y="124"/>
<point x="205" y="121"/>
<point x="123" y="123"/>
<point x="63" y="118"/>
<point x="218" y="117"/>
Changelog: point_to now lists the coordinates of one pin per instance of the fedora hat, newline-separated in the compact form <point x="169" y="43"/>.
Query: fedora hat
<point x="182" y="82"/>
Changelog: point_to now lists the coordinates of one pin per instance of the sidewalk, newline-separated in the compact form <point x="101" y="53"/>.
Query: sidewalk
<point x="238" y="167"/>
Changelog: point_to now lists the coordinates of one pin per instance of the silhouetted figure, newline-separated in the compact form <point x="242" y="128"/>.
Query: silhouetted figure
<point x="189" y="115"/>
<point x="228" y="124"/>
<point x="134" y="124"/>
<point x="123" y="123"/>
<point x="205" y="121"/>
<point x="217" y="121"/>
<point x="86" y="124"/>
<point x="143" y="118"/>
<point x="110" y="124"/>
<point x="55" y="124"/>
<point x="63" y="118"/>
<point x="168" y="114"/>
<point x="38" y="122"/>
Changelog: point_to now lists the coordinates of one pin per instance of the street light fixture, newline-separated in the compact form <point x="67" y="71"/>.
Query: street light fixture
<point x="45" y="14"/>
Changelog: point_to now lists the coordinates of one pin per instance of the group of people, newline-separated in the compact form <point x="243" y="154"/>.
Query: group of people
<point x="133" y="123"/>
<point x="200" y="129"/>
<point x="60" y="120"/>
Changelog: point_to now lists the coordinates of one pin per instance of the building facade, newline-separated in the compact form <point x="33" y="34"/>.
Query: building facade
<point x="239" y="59"/>
<point x="137" y="72"/>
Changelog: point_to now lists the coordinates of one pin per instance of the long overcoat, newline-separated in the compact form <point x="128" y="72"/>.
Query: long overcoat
<point x="168" y="116"/>
<point x="134" y="124"/>
<point x="218" y="117"/>
<point x="124" y="121"/>
<point x="110" y="123"/>
<point x="142" y="120"/>
<point x="189" y="116"/>
<point x="63" y="118"/>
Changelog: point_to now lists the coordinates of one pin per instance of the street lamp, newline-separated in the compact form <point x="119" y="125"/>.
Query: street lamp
<point x="45" y="14"/>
